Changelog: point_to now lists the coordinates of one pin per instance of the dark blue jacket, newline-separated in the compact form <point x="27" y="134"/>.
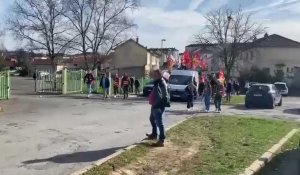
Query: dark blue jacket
<point x="106" y="84"/>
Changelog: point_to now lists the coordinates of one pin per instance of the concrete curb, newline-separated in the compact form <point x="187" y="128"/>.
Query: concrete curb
<point x="101" y="161"/>
<point x="269" y="155"/>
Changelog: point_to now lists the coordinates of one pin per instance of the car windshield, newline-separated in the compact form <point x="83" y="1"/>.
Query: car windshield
<point x="256" y="88"/>
<point x="179" y="79"/>
<point x="280" y="86"/>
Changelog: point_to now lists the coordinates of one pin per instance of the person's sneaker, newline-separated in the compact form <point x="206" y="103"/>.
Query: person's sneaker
<point x="151" y="137"/>
<point x="158" y="144"/>
<point x="188" y="109"/>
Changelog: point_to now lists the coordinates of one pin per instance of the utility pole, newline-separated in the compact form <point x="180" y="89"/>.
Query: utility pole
<point x="162" y="47"/>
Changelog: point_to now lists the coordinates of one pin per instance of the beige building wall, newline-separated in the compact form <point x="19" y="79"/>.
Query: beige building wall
<point x="129" y="54"/>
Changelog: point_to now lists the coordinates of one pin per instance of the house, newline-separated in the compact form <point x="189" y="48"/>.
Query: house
<point x="134" y="59"/>
<point x="45" y="65"/>
<point x="164" y="54"/>
<point x="271" y="53"/>
<point x="77" y="61"/>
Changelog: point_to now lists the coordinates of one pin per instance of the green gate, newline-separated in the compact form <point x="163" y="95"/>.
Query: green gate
<point x="4" y="85"/>
<point x="72" y="81"/>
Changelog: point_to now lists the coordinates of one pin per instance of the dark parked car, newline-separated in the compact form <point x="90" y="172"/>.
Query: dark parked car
<point x="147" y="89"/>
<point x="263" y="95"/>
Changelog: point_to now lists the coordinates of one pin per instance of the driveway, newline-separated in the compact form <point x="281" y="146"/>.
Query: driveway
<point x="56" y="135"/>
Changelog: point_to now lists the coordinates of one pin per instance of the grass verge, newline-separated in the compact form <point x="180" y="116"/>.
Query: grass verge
<point x="235" y="100"/>
<point x="216" y="145"/>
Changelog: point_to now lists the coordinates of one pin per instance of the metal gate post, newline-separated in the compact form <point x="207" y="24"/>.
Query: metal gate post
<point x="81" y="80"/>
<point x="64" y="79"/>
<point x="8" y="85"/>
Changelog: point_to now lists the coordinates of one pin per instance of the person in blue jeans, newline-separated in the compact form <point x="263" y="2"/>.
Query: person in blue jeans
<point x="158" y="100"/>
<point x="207" y="92"/>
<point x="88" y="79"/>
<point x="105" y="84"/>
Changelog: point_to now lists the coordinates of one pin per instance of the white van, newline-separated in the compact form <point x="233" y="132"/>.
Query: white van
<point x="178" y="81"/>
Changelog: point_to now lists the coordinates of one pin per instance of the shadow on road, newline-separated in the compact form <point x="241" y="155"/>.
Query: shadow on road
<point x="183" y="112"/>
<point x="286" y="163"/>
<point x="77" y="157"/>
<point x="295" y="111"/>
<point x="243" y="108"/>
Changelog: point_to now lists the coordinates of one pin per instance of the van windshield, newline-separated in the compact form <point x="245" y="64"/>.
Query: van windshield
<point x="180" y="79"/>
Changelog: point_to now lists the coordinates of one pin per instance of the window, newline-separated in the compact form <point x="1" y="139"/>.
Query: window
<point x="287" y="69"/>
<point x="292" y="70"/>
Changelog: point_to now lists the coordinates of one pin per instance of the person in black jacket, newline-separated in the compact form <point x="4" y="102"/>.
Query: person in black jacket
<point x="137" y="86"/>
<point x="159" y="100"/>
<point x="228" y="90"/>
<point x="89" y="79"/>
<point x="190" y="91"/>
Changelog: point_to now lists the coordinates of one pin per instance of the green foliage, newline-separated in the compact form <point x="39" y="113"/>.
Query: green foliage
<point x="261" y="75"/>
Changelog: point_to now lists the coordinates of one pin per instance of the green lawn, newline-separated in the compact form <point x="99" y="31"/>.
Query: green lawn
<point x="212" y="145"/>
<point x="235" y="100"/>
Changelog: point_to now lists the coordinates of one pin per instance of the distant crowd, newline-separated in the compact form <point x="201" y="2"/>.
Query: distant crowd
<point x="124" y="83"/>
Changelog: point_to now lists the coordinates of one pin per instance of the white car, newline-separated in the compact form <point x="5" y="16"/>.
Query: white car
<point x="282" y="88"/>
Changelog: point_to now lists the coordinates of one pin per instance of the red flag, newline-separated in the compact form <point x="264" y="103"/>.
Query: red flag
<point x="186" y="61"/>
<point x="196" y="62"/>
<point x="221" y="74"/>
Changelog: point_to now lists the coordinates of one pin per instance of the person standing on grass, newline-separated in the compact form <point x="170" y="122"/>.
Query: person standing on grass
<point x="159" y="100"/>
<point x="207" y="95"/>
<point x="228" y="90"/>
<point x="116" y="85"/>
<point x="190" y="91"/>
<point x="218" y="96"/>
<point x="236" y="87"/>
<point x="125" y="85"/>
<point x="137" y="86"/>
<point x="89" y="79"/>
<point x="105" y="84"/>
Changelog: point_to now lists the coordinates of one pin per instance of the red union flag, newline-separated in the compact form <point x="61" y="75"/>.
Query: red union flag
<point x="186" y="61"/>
<point x="221" y="74"/>
<point x="196" y="62"/>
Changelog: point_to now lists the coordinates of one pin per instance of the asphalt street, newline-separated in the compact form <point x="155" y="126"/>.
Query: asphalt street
<point x="57" y="135"/>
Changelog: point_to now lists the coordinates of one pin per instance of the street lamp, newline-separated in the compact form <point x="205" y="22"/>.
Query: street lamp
<point x="162" y="47"/>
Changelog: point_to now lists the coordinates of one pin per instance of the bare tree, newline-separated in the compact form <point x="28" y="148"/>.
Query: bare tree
<point x="229" y="32"/>
<point x="108" y="28"/>
<point x="41" y="25"/>
<point x="101" y="25"/>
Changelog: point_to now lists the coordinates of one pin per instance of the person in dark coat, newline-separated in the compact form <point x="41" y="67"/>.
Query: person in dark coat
<point x="137" y="86"/>
<point x="105" y="84"/>
<point x="89" y="79"/>
<point x="158" y="100"/>
<point x="190" y="91"/>
<point x="131" y="82"/>
<point x="218" y="96"/>
<point x="228" y="90"/>
<point x="236" y="87"/>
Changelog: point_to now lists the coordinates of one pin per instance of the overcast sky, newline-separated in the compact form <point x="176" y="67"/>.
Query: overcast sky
<point x="178" y="20"/>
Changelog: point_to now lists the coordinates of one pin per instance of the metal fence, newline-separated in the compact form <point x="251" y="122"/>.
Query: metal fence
<point x="4" y="85"/>
<point x="61" y="82"/>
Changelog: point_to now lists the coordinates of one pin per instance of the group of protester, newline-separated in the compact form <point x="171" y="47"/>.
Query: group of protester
<point x="125" y="83"/>
<point x="211" y="88"/>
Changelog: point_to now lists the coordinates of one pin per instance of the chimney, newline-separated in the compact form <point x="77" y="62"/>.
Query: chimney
<point x="137" y="39"/>
<point x="266" y="35"/>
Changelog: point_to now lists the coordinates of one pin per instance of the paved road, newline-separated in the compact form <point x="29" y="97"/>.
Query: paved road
<point x="57" y="135"/>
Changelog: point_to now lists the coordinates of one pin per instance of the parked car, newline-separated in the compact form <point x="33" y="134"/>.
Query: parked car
<point x="263" y="95"/>
<point x="147" y="89"/>
<point x="252" y="83"/>
<point x="282" y="87"/>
